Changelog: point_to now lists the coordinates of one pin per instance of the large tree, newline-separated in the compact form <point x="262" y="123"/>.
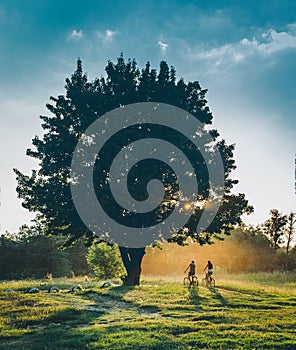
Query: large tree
<point x="47" y="190"/>
<point x="275" y="227"/>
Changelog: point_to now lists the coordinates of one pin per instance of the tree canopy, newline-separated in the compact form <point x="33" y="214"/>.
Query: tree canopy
<point x="47" y="190"/>
<point x="275" y="227"/>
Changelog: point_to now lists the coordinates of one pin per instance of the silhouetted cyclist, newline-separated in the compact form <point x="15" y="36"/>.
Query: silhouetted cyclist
<point x="209" y="270"/>
<point x="191" y="267"/>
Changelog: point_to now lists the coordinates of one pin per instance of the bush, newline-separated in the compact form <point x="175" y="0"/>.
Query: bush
<point x="105" y="260"/>
<point x="32" y="255"/>
<point x="77" y="258"/>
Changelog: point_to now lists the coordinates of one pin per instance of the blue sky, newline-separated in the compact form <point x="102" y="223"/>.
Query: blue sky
<point x="244" y="53"/>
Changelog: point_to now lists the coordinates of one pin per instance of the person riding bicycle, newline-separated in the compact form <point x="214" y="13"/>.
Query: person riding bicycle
<point x="191" y="272"/>
<point x="209" y="272"/>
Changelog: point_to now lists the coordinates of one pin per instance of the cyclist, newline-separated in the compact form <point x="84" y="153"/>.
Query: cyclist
<point x="209" y="271"/>
<point x="191" y="272"/>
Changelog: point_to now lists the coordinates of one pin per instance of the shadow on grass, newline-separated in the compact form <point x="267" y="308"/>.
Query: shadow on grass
<point x="194" y="297"/>
<point x="218" y="296"/>
<point x="89" y="327"/>
<point x="248" y="301"/>
<point x="66" y="318"/>
<point x="75" y="327"/>
<point x="112" y="298"/>
<point x="56" y="331"/>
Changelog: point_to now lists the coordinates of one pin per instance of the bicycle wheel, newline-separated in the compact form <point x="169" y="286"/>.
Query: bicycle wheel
<point x="195" y="281"/>
<point x="208" y="283"/>
<point x="212" y="282"/>
<point x="186" y="281"/>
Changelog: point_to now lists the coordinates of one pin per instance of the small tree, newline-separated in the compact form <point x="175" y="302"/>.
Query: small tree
<point x="289" y="233"/>
<point x="105" y="260"/>
<point x="274" y="227"/>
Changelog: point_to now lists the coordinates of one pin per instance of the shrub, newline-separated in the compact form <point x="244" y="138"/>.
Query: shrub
<point x="105" y="260"/>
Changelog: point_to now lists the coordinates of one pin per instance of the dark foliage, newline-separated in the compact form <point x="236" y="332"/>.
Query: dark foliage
<point x="47" y="190"/>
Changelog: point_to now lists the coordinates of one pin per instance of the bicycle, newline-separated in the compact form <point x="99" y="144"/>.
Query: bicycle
<point x="187" y="282"/>
<point x="208" y="281"/>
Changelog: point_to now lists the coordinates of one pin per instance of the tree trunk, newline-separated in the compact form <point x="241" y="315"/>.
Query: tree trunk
<point x="132" y="259"/>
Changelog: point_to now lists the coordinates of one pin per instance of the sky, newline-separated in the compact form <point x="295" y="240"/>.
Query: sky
<point x="243" y="52"/>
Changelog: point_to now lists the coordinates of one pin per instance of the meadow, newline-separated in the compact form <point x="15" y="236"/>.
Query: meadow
<point x="248" y="311"/>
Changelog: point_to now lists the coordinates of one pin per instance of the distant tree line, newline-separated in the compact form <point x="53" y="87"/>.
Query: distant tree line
<point x="245" y="250"/>
<point x="266" y="247"/>
<point x="32" y="254"/>
<point x="248" y="249"/>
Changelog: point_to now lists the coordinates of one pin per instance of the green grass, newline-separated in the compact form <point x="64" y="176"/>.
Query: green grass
<point x="251" y="311"/>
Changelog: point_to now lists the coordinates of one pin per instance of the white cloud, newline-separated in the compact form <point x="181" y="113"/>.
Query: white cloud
<point x="163" y="46"/>
<point x="274" y="41"/>
<point x="292" y="28"/>
<point x="268" y="43"/>
<point x="107" y="36"/>
<point x="76" y="34"/>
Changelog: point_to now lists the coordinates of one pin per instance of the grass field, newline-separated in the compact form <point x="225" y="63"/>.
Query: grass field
<point x="251" y="311"/>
